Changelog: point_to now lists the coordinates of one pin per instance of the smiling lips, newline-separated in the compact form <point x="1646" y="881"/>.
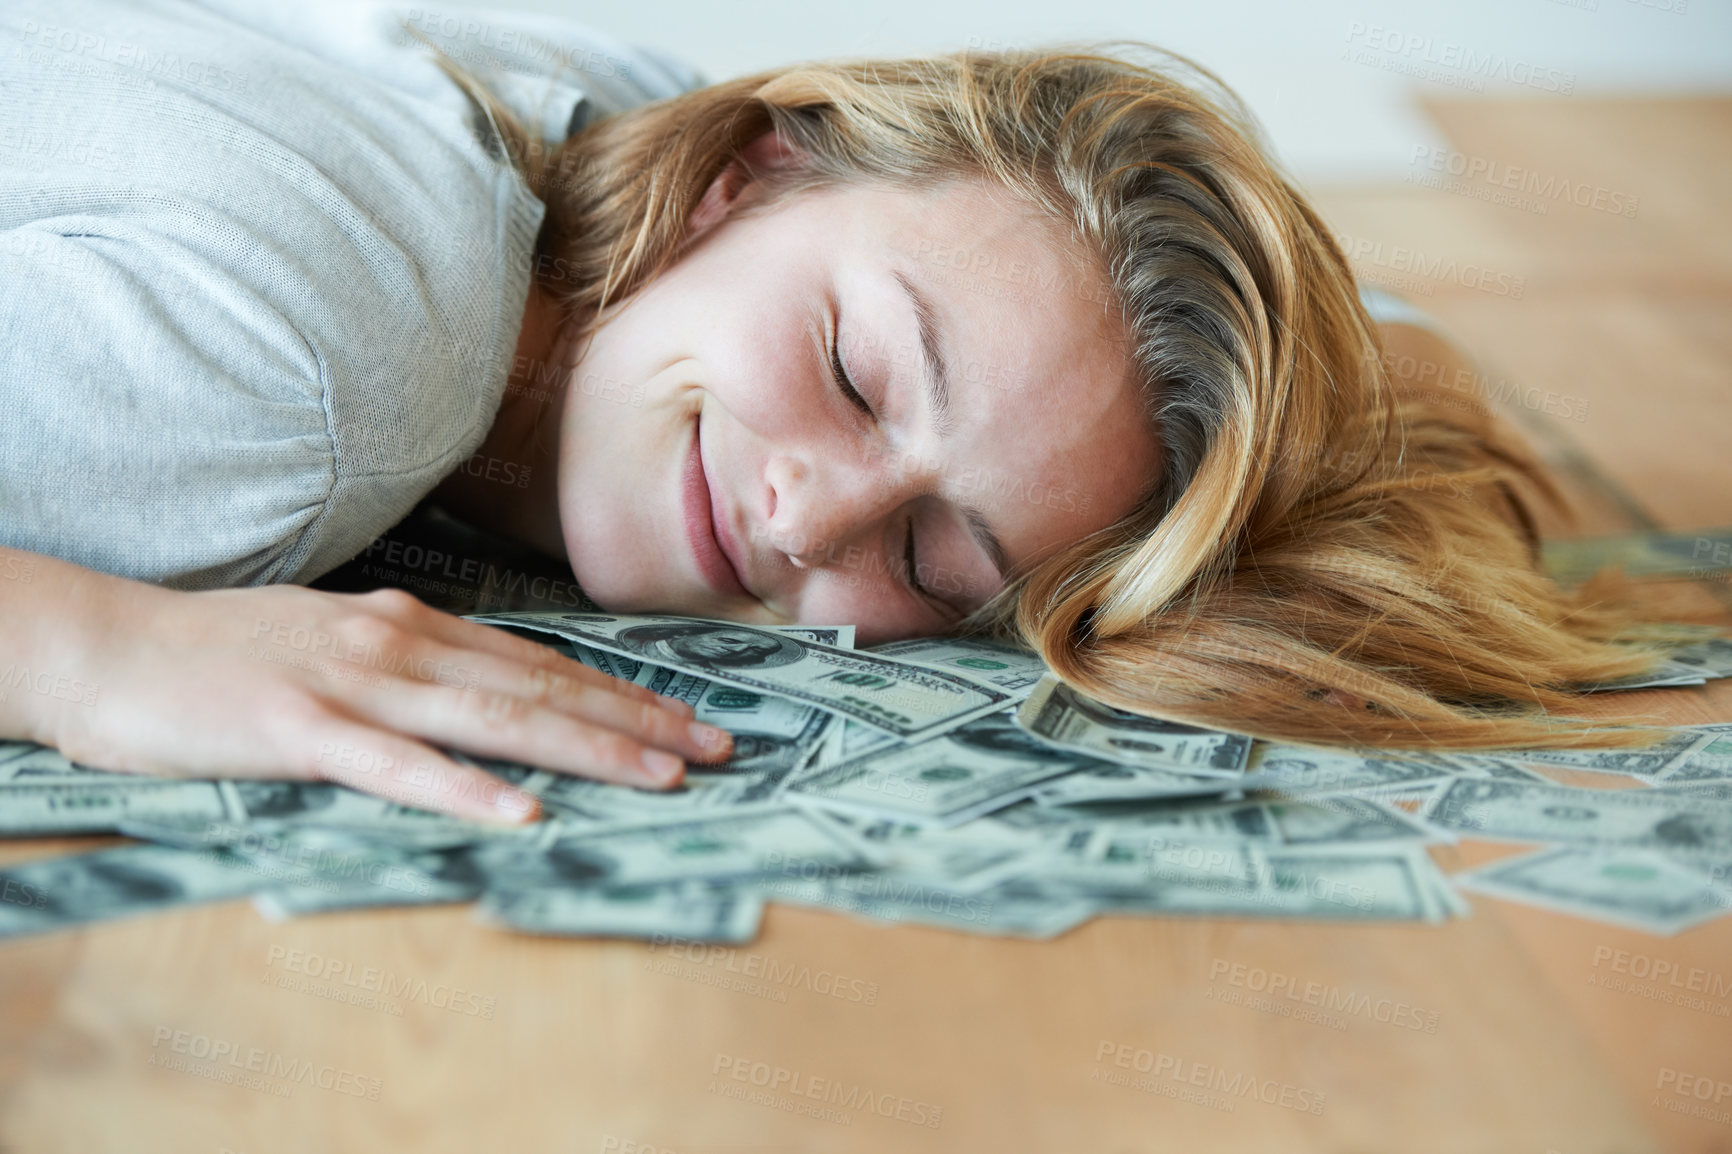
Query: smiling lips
<point x="706" y="529"/>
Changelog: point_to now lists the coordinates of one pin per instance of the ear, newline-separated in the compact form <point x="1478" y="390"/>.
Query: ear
<point x="767" y="153"/>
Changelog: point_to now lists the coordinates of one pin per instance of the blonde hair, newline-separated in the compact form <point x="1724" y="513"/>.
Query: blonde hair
<point x="1306" y="566"/>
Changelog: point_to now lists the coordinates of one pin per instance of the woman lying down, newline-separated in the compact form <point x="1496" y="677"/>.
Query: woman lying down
<point x="1035" y="344"/>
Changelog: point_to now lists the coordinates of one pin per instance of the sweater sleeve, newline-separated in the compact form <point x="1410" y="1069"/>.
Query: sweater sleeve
<point x="147" y="434"/>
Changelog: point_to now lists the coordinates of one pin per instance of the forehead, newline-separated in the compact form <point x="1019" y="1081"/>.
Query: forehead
<point x="1049" y="435"/>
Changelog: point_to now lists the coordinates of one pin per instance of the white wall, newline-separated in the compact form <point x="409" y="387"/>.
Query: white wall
<point x="1331" y="118"/>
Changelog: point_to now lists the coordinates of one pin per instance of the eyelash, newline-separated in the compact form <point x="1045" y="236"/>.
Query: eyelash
<point x="913" y="569"/>
<point x="840" y="374"/>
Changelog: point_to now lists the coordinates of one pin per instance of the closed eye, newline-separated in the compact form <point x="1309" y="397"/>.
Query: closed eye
<point x="839" y="371"/>
<point x="913" y="567"/>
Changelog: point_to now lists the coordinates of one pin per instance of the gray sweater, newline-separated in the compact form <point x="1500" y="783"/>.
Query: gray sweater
<point x="262" y="268"/>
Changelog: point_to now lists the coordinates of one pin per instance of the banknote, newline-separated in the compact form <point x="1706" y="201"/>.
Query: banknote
<point x="771" y="734"/>
<point x="964" y="858"/>
<point x="1641" y="889"/>
<point x="1398" y="883"/>
<point x="773" y="737"/>
<point x="974" y="769"/>
<point x="42" y="806"/>
<point x="1710" y="760"/>
<point x="1016" y="671"/>
<point x="25" y="759"/>
<point x="1113" y="781"/>
<point x="1669" y="820"/>
<point x="77" y="888"/>
<point x="1296" y="769"/>
<point x="1058" y="714"/>
<point x="1712" y="656"/>
<point x="1702" y="553"/>
<point x="1344" y="821"/>
<point x="1642" y="761"/>
<point x="628" y="668"/>
<point x="912" y="702"/>
<point x="1485" y="765"/>
<point x="1665" y="675"/>
<point x="1012" y="909"/>
<point x="688" y="911"/>
<point x="723" y="847"/>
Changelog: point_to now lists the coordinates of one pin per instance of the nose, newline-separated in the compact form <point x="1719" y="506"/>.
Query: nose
<point x="822" y="502"/>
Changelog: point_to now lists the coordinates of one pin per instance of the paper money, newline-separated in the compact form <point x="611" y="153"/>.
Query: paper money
<point x="87" y="887"/>
<point x="713" y="848"/>
<point x="1630" y="818"/>
<point x="1643" y="761"/>
<point x="1393" y="884"/>
<point x="1345" y="821"/>
<point x="974" y="769"/>
<point x="40" y="806"/>
<point x="691" y="912"/>
<point x="1013" y="909"/>
<point x="1710" y="760"/>
<point x="1112" y="781"/>
<point x="1016" y="671"/>
<point x="1294" y="769"/>
<point x="1058" y="714"/>
<point x="912" y="702"/>
<point x="1637" y="888"/>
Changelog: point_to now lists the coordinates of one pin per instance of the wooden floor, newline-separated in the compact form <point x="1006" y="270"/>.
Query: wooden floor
<point x="1529" y="1038"/>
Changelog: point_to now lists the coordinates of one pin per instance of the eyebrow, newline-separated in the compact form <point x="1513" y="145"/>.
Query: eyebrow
<point x="936" y="378"/>
<point x="935" y="381"/>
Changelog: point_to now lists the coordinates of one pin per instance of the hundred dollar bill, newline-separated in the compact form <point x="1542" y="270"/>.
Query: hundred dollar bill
<point x="1012" y="909"/>
<point x="1331" y="822"/>
<point x="1667" y="820"/>
<point x="688" y="911"/>
<point x="1665" y="675"/>
<point x="1016" y="671"/>
<point x="963" y="858"/>
<point x="12" y="751"/>
<point x="912" y="702"/>
<point x="1064" y="717"/>
<point x="1645" y="761"/>
<point x="1637" y="888"/>
<point x="1485" y="765"/>
<point x="1294" y="769"/>
<point x="1114" y="781"/>
<point x="845" y="741"/>
<point x="1388" y="884"/>
<point x="1712" y="656"/>
<point x="323" y="803"/>
<point x="1708" y="761"/>
<point x="43" y="806"/>
<point x="718" y="847"/>
<point x="973" y="769"/>
<point x="773" y="737"/>
<point x="28" y="761"/>
<point x="628" y="668"/>
<point x="78" y="888"/>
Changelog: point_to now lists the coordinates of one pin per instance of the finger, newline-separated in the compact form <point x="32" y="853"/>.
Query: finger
<point x="409" y="772"/>
<point x="647" y="721"/>
<point x="496" y="724"/>
<point x="473" y="635"/>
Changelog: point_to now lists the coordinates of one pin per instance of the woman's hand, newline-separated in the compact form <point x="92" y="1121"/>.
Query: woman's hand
<point x="287" y="682"/>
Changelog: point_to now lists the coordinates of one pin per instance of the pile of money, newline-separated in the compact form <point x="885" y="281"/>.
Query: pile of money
<point x="948" y="782"/>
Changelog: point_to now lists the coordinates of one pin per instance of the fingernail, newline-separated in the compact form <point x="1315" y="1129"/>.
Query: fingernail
<point x="520" y="805"/>
<point x="712" y="739"/>
<point x="676" y="705"/>
<point x="663" y="767"/>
